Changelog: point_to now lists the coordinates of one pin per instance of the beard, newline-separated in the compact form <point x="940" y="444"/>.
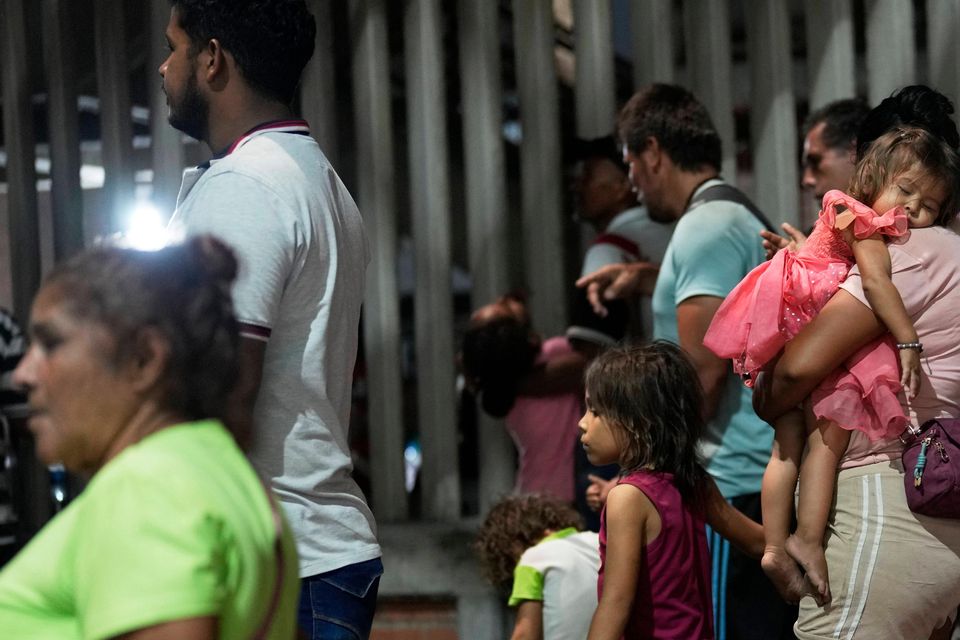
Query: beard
<point x="189" y="114"/>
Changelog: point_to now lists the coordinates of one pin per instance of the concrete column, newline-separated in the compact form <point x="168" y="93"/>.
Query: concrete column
<point x="830" y="52"/>
<point x="433" y="296"/>
<point x="540" y="171"/>
<point x="773" y="114"/>
<point x="486" y="199"/>
<point x="116" y="128"/>
<point x="318" y="96"/>
<point x="891" y="48"/>
<point x="166" y="142"/>
<point x="381" y="309"/>
<point x="595" y="89"/>
<point x="707" y="37"/>
<point x="24" y="233"/>
<point x="943" y="47"/>
<point x="66" y="196"/>
<point x="651" y="29"/>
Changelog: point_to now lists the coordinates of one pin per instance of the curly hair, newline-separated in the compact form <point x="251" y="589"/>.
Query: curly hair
<point x="496" y="355"/>
<point x="184" y="292"/>
<point x="916" y="105"/>
<point x="899" y="150"/>
<point x="652" y="394"/>
<point x="679" y="122"/>
<point x="271" y="40"/>
<point x="512" y="526"/>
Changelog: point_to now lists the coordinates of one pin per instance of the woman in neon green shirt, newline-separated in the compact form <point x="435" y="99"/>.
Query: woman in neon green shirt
<point x="132" y="358"/>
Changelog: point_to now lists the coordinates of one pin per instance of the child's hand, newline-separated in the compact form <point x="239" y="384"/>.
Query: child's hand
<point x="910" y="371"/>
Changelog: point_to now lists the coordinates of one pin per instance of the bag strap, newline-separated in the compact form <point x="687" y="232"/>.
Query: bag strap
<point x="264" y="628"/>
<point x="728" y="193"/>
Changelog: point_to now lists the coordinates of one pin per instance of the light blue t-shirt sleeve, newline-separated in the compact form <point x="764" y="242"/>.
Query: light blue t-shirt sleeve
<point x="714" y="247"/>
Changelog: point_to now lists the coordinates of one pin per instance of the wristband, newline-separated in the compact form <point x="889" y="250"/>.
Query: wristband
<point x="910" y="345"/>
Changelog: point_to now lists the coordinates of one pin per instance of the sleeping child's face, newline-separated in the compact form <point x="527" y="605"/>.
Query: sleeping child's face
<point x="598" y="436"/>
<point x="921" y="195"/>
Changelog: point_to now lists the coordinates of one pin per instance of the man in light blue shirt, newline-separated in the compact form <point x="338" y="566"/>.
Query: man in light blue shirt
<point x="673" y="153"/>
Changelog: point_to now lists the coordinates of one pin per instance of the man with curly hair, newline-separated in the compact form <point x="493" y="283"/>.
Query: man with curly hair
<point x="531" y="546"/>
<point x="270" y="193"/>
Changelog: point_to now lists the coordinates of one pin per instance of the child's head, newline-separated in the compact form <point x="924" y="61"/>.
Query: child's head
<point x="911" y="167"/>
<point x="499" y="347"/>
<point x="644" y="407"/>
<point x="515" y="524"/>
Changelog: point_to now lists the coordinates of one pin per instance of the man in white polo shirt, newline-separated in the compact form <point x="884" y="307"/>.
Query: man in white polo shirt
<point x="270" y="193"/>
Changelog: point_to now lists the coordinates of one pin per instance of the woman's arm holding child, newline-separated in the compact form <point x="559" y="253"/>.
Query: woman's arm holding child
<point x="873" y="259"/>
<point x="529" y="624"/>
<point x="729" y="522"/>
<point x="627" y="516"/>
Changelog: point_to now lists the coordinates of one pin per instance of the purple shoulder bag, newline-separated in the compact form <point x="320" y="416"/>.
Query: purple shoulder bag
<point x="931" y="462"/>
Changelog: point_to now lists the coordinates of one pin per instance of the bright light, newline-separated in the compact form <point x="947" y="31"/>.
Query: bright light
<point x="146" y="228"/>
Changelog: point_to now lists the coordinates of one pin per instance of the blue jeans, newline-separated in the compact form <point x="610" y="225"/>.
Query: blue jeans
<point x="339" y="604"/>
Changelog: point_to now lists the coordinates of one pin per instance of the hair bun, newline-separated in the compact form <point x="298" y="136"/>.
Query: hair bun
<point x="214" y="257"/>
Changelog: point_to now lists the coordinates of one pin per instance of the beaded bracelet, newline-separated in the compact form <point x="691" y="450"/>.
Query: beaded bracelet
<point x="910" y="345"/>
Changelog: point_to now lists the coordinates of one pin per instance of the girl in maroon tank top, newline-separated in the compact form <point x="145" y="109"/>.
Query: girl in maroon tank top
<point x="644" y="412"/>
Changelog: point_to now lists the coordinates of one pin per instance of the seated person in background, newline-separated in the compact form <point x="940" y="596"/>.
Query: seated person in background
<point x="531" y="546"/>
<point x="131" y="360"/>
<point x="535" y="384"/>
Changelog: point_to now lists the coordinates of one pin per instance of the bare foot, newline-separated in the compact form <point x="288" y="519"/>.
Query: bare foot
<point x="785" y="575"/>
<point x="810" y="557"/>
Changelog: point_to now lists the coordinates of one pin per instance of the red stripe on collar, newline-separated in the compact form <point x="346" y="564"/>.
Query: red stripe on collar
<point x="285" y="126"/>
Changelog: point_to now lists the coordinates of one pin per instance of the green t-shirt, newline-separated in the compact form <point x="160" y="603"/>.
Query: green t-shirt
<point x="176" y="526"/>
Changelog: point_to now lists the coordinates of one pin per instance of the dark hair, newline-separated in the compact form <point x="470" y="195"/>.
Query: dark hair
<point x="898" y="151"/>
<point x="184" y="292"/>
<point x="841" y="120"/>
<point x="916" y="105"/>
<point x="512" y="526"/>
<point x="679" y="122"/>
<point x="652" y="393"/>
<point x="271" y="40"/>
<point x="605" y="147"/>
<point x="496" y="355"/>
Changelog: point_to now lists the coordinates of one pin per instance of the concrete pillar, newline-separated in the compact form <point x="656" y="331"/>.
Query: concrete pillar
<point x="773" y="115"/>
<point x="707" y="37"/>
<point x="63" y="119"/>
<point x="116" y="128"/>
<point x="540" y="171"/>
<point x="486" y="200"/>
<point x="891" y="48"/>
<point x="318" y="95"/>
<point x="166" y="142"/>
<point x="433" y="296"/>
<point x="943" y="47"/>
<point x="24" y="234"/>
<point x="595" y="89"/>
<point x="651" y="29"/>
<point x="830" y="52"/>
<point x="381" y="309"/>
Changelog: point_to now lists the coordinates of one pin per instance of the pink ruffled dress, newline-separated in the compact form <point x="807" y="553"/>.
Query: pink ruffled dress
<point x="779" y="297"/>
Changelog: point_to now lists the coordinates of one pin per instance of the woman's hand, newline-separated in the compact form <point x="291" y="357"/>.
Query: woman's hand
<point x="910" y="372"/>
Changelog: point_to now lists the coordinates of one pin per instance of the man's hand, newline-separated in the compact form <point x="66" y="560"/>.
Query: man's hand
<point x="618" y="281"/>
<point x="597" y="491"/>
<point x="792" y="239"/>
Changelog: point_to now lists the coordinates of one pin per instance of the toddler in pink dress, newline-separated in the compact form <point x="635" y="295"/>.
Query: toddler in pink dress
<point x="906" y="187"/>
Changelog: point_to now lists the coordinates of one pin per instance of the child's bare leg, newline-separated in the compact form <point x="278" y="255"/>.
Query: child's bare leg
<point x="776" y="499"/>
<point x="826" y="444"/>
